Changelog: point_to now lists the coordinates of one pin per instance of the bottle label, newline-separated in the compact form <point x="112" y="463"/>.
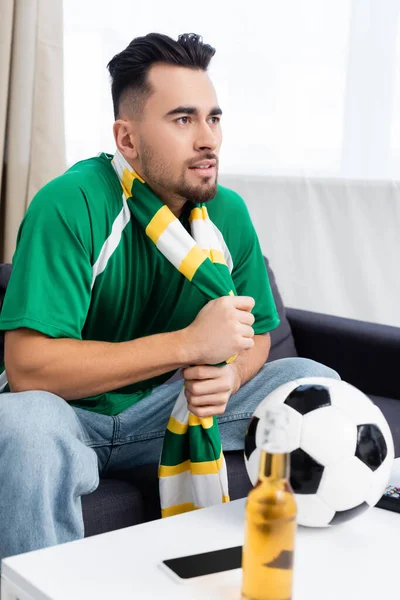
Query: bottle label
<point x="273" y="431"/>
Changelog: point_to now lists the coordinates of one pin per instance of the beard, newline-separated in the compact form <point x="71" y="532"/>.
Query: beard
<point x="157" y="174"/>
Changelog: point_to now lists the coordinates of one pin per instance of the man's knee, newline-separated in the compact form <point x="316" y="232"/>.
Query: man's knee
<point x="297" y="368"/>
<point x="33" y="416"/>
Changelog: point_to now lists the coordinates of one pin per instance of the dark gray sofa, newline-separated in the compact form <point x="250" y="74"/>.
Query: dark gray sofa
<point x="365" y="354"/>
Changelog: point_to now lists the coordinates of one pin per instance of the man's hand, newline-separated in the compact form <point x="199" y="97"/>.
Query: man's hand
<point x="222" y="329"/>
<point x="208" y="389"/>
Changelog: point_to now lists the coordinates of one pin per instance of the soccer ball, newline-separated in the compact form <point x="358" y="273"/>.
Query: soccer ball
<point x="341" y="448"/>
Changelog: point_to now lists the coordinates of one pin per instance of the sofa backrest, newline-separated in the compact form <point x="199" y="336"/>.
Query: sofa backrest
<point x="5" y="272"/>
<point x="282" y="342"/>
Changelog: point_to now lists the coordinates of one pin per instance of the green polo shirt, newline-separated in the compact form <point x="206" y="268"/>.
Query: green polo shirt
<point x="85" y="269"/>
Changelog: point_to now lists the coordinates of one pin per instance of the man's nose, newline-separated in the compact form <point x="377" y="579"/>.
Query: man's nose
<point x="205" y="138"/>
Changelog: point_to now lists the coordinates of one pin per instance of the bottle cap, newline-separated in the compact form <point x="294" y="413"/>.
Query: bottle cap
<point x="273" y="431"/>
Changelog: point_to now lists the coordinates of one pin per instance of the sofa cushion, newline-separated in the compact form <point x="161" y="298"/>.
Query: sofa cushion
<point x="132" y="497"/>
<point x="115" y="504"/>
<point x="282" y="341"/>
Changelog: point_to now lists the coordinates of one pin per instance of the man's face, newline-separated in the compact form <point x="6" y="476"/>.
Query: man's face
<point x="178" y="136"/>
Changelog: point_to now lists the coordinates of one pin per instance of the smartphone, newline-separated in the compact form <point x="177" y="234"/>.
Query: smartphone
<point x="207" y="563"/>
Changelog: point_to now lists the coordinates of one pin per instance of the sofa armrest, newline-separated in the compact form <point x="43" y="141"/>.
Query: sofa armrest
<point x="367" y="355"/>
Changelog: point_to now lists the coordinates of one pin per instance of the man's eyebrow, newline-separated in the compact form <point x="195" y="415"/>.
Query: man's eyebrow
<point x="191" y="110"/>
<point x="215" y="111"/>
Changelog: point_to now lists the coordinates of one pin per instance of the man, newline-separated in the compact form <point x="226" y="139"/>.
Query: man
<point x="98" y="318"/>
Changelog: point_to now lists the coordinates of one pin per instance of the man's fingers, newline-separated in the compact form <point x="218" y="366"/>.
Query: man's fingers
<point x="206" y="399"/>
<point x="246" y="331"/>
<point x="243" y="302"/>
<point x="201" y="372"/>
<point x="245" y="317"/>
<point x="206" y="411"/>
<point x="203" y="387"/>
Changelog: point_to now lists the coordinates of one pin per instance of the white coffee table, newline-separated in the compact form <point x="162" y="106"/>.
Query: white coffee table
<point x="355" y="561"/>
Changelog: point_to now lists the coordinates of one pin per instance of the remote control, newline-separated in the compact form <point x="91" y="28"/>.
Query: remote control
<point x="390" y="499"/>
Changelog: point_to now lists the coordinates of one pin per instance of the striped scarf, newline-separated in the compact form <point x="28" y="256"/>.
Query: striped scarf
<point x="192" y="471"/>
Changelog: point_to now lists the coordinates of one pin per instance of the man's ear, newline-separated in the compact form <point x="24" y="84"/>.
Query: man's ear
<point x="125" y="139"/>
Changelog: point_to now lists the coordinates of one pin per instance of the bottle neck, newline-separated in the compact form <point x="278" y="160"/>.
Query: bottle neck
<point x="274" y="466"/>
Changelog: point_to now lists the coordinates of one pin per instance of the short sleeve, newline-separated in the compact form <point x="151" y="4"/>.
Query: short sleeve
<point x="249" y="271"/>
<point x="50" y="285"/>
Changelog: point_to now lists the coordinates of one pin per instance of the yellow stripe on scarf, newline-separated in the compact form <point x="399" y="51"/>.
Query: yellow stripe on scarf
<point x="178" y="509"/>
<point x="198" y="214"/>
<point x="205" y="422"/>
<point x="201" y="214"/>
<point x="165" y="471"/>
<point x="159" y="223"/>
<point x="176" y="426"/>
<point x="216" y="256"/>
<point x="231" y="359"/>
<point x="171" y="511"/>
<point x="127" y="179"/>
<point x="211" y="467"/>
<point x="192" y="261"/>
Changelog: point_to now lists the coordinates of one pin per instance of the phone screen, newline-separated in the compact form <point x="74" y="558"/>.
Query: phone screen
<point x="206" y="563"/>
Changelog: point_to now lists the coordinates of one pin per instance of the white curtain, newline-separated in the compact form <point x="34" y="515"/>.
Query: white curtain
<point x="333" y="245"/>
<point x="32" y="138"/>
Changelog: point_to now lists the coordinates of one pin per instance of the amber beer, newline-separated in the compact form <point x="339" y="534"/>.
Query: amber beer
<point x="270" y="516"/>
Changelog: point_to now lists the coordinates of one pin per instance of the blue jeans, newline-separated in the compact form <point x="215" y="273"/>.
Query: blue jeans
<point x="51" y="453"/>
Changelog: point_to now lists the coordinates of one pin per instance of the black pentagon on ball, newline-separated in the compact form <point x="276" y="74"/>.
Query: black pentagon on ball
<point x="250" y="438"/>
<point x="341" y="516"/>
<point x="308" y="397"/>
<point x="305" y="472"/>
<point x="371" y="446"/>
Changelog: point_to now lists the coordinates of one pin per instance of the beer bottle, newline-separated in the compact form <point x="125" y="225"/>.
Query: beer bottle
<point x="270" y="527"/>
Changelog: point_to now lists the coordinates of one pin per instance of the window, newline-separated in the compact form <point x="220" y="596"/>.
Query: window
<point x="307" y="87"/>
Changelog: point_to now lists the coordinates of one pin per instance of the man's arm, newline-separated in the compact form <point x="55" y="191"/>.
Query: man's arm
<point x="208" y="389"/>
<point x="75" y="369"/>
<point x="249" y="363"/>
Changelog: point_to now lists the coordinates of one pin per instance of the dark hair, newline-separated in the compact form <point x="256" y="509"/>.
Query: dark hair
<point x="129" y="68"/>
